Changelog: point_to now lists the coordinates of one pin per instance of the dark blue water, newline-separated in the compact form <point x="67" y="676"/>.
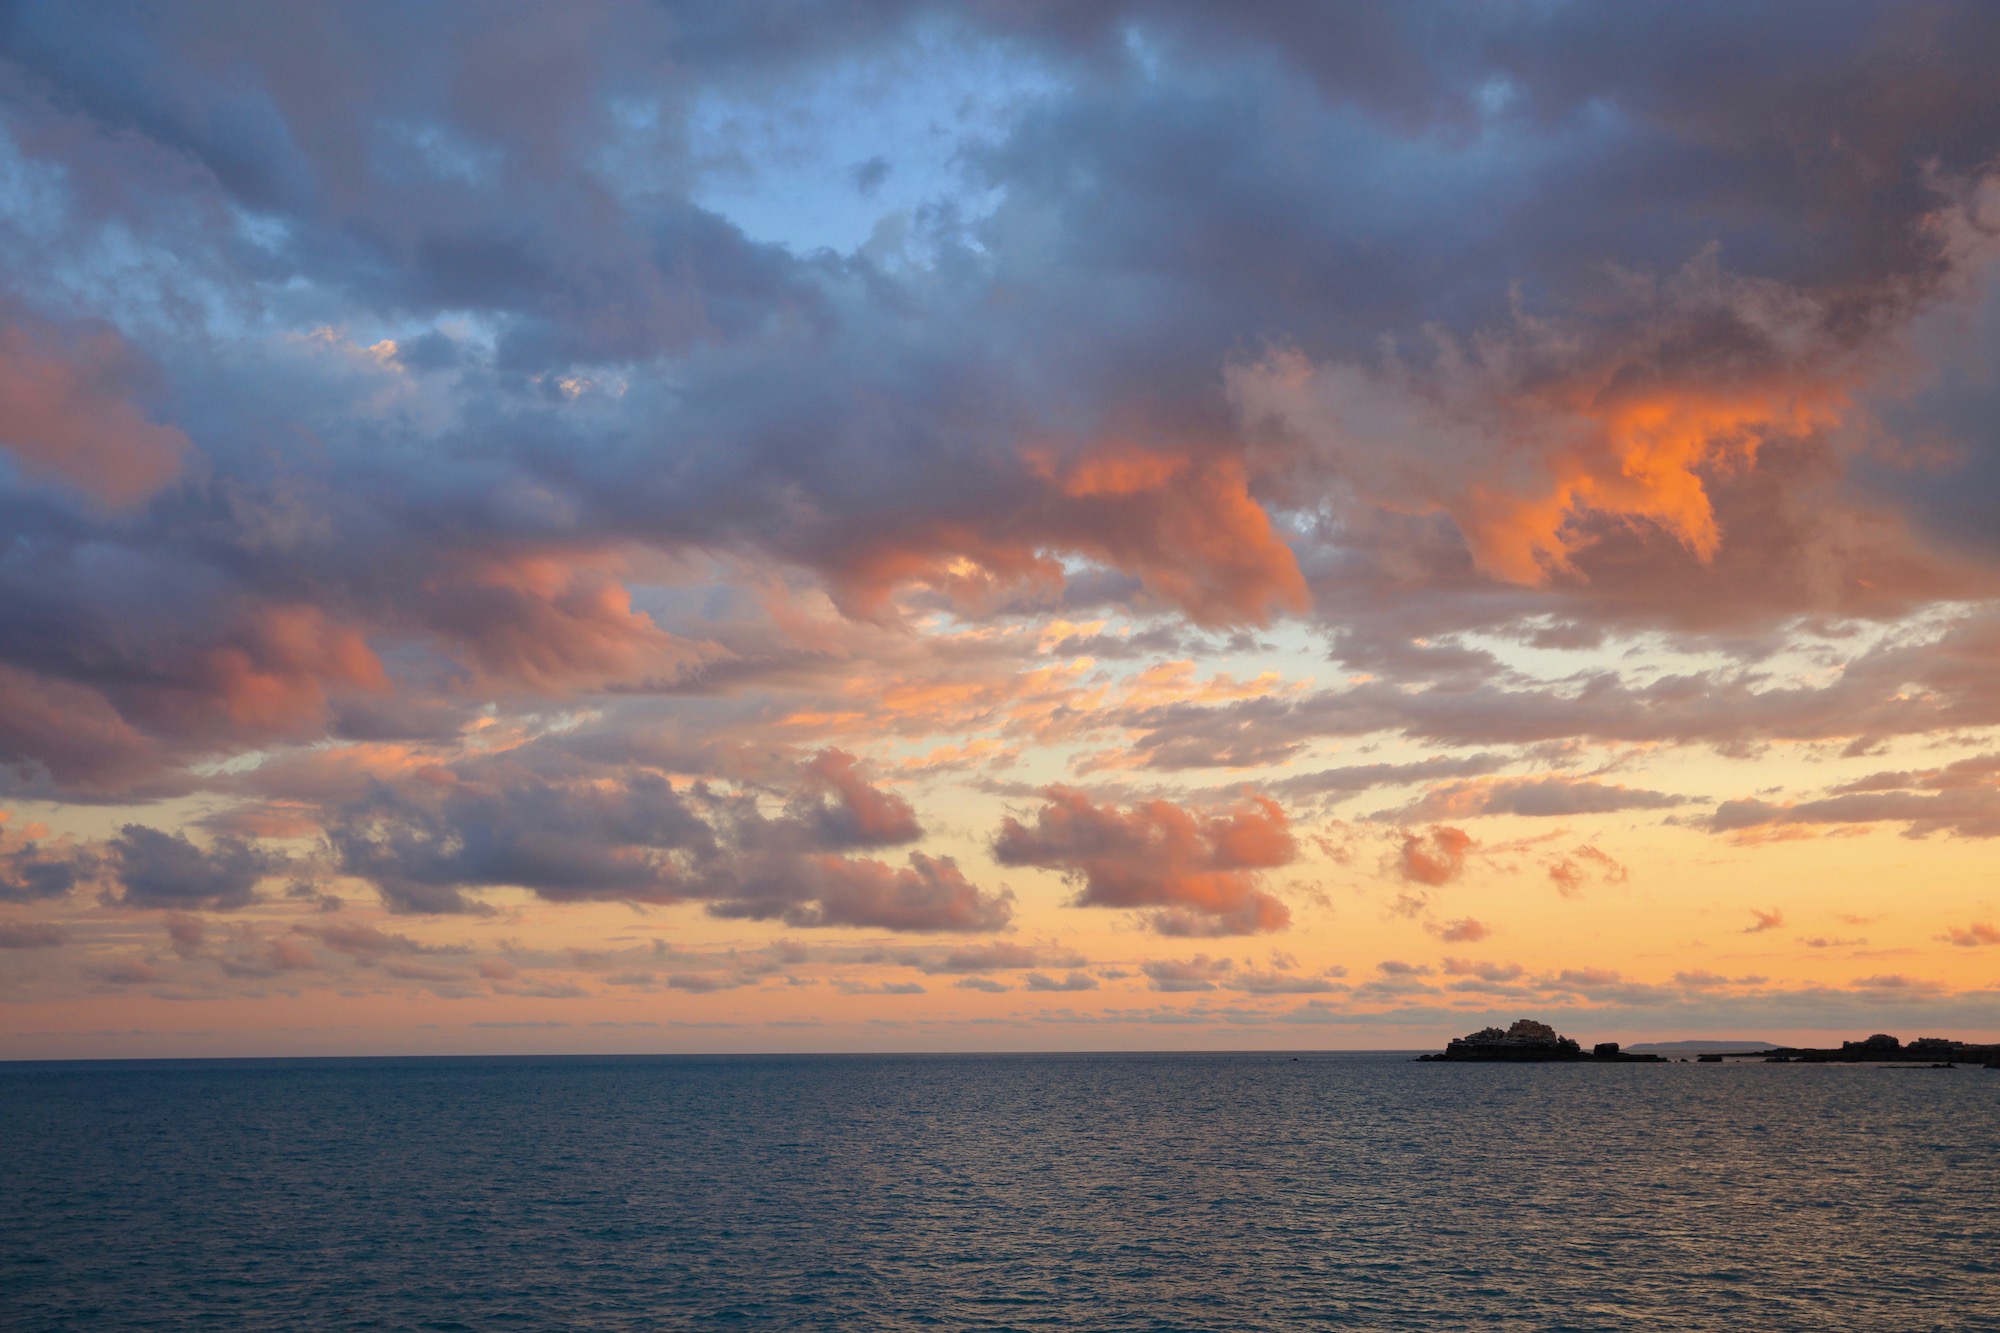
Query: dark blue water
<point x="996" y="1192"/>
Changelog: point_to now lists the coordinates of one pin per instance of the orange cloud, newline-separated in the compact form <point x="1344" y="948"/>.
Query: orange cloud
<point x="279" y="671"/>
<point x="1200" y="870"/>
<point x="1640" y="460"/>
<point x="1178" y="682"/>
<point x="1572" y="872"/>
<point x="1183" y="523"/>
<point x="862" y="815"/>
<point x="553" y="620"/>
<point x="1537" y="429"/>
<point x="1045" y="703"/>
<point x="1770" y="920"/>
<point x="1434" y="858"/>
<point x="73" y="731"/>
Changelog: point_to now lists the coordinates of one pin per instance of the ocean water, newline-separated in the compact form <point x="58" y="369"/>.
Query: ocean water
<point x="1230" y="1192"/>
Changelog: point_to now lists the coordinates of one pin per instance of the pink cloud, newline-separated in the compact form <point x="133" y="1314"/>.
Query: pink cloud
<point x="930" y="893"/>
<point x="65" y="411"/>
<point x="1573" y="872"/>
<point x="1181" y="520"/>
<point x="550" y="620"/>
<point x="1436" y="857"/>
<point x="1489" y="972"/>
<point x="1201" y="869"/>
<point x="1770" y="920"/>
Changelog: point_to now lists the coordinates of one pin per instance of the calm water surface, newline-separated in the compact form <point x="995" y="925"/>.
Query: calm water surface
<point x="996" y="1192"/>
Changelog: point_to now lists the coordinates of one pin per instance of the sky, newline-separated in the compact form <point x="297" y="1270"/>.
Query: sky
<point x="996" y="526"/>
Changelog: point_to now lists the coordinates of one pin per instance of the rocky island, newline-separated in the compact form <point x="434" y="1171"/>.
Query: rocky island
<point x="1528" y="1040"/>
<point x="1885" y="1049"/>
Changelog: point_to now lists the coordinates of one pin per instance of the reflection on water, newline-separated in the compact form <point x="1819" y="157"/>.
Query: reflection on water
<point x="1053" y="1192"/>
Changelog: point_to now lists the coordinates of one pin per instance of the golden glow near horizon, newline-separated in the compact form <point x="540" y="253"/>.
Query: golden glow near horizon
<point x="619" y="584"/>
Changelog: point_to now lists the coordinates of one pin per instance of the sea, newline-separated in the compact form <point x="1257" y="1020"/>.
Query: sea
<point x="1226" y="1192"/>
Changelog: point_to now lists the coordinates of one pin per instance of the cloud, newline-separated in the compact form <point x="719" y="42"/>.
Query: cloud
<point x="1465" y="930"/>
<point x="701" y="983"/>
<point x="31" y="935"/>
<point x="868" y="176"/>
<point x="1770" y="920"/>
<point x="1280" y="983"/>
<point x="29" y="871"/>
<point x="1961" y="798"/>
<point x="67" y="410"/>
<point x="156" y="869"/>
<point x="496" y="450"/>
<point x="1606" y="985"/>
<point x="1200" y="869"/>
<point x="1531" y="434"/>
<point x="1573" y="872"/>
<point x="1356" y="778"/>
<point x="1395" y="980"/>
<point x="1972" y="936"/>
<point x="423" y="841"/>
<point x="370" y="942"/>
<point x="1532" y="797"/>
<point x="882" y="988"/>
<point x="187" y="934"/>
<point x="1896" y="984"/>
<point x="1199" y="973"/>
<point x="628" y="834"/>
<point x="1075" y="981"/>
<point x="929" y="894"/>
<point x="861" y="815"/>
<point x="1912" y="681"/>
<point x="1702" y="979"/>
<point x="123" y="972"/>
<point x="1436" y="857"/>
<point x="993" y="956"/>
<point x="1496" y="973"/>
<point x="550" y="620"/>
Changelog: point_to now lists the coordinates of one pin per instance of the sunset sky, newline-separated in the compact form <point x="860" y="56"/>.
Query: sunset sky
<point x="706" y="527"/>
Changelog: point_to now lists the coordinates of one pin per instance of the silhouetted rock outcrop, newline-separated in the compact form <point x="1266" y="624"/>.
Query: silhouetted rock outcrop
<point x="1881" y="1046"/>
<point x="1528" y="1040"/>
<point x="1885" y="1049"/>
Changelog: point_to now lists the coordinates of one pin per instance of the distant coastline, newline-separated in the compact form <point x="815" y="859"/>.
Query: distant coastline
<point x="1532" y="1042"/>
